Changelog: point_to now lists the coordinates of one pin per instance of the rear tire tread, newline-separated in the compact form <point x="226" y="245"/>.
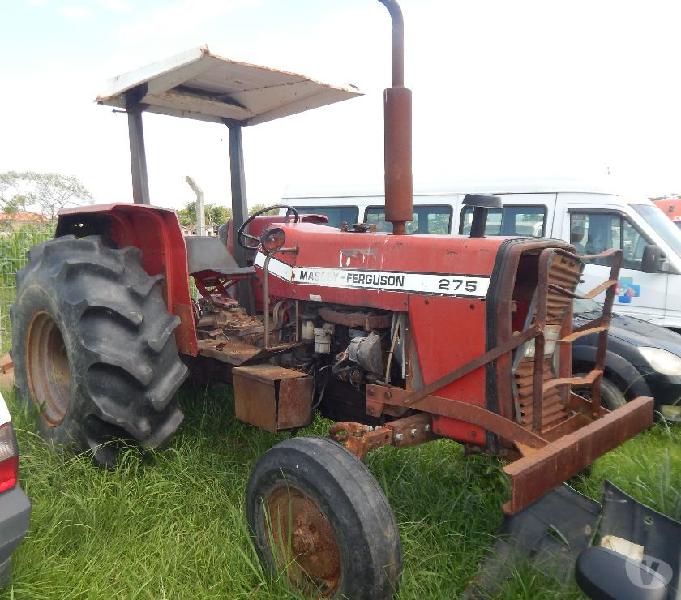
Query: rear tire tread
<point x="125" y="367"/>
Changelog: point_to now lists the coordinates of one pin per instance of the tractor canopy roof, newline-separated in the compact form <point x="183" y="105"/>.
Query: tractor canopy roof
<point x="201" y="85"/>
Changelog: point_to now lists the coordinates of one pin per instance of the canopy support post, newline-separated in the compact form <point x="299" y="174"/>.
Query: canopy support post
<point x="239" y="209"/>
<point x="138" y="157"/>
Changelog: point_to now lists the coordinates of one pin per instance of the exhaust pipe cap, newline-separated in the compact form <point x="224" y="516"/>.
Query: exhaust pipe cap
<point x="482" y="201"/>
<point x="481" y="205"/>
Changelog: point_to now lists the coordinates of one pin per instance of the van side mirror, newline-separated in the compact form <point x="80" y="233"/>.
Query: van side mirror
<point x="603" y="574"/>
<point x="653" y="259"/>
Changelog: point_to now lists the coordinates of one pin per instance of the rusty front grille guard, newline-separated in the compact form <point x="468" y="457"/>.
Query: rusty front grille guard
<point x="600" y="325"/>
<point x="549" y="456"/>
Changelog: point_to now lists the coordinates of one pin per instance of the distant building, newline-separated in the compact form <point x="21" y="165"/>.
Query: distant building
<point x="671" y="206"/>
<point x="17" y="219"/>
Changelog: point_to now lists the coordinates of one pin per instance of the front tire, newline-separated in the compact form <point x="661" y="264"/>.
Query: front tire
<point x="317" y="514"/>
<point x="93" y="347"/>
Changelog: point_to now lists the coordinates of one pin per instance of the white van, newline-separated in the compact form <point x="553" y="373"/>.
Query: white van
<point x="589" y="217"/>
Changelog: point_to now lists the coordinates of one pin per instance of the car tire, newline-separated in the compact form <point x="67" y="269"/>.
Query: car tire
<point x="611" y="395"/>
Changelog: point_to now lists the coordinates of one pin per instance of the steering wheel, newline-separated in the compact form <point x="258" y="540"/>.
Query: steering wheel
<point x="243" y="237"/>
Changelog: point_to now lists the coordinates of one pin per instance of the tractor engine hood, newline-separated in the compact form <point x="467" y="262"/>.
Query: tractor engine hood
<point x="379" y="270"/>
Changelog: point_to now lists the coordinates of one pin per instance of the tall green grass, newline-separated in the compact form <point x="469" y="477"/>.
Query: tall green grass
<point x="14" y="244"/>
<point x="171" y="524"/>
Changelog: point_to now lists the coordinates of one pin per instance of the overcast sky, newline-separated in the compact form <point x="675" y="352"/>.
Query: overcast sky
<point x="501" y="89"/>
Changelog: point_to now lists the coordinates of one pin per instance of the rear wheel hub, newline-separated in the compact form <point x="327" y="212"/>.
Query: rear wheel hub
<point x="49" y="374"/>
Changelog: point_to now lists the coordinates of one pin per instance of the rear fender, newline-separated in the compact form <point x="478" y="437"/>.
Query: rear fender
<point x="157" y="233"/>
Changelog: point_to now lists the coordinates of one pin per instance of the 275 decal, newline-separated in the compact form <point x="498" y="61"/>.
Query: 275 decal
<point x="458" y="284"/>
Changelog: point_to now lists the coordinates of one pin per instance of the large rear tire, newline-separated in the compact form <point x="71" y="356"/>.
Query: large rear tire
<point x="93" y="347"/>
<point x="317" y="515"/>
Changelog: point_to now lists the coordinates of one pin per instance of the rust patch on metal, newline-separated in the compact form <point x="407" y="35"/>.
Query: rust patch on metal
<point x="229" y="322"/>
<point x="569" y="425"/>
<point x="544" y="469"/>
<point x="271" y="397"/>
<point x="6" y="371"/>
<point x="233" y="352"/>
<point x="366" y="320"/>
<point x="47" y="369"/>
<point x="237" y="353"/>
<point x="412" y="430"/>
<point x="463" y="411"/>
<point x="360" y="439"/>
<point x="295" y="402"/>
<point x="304" y="544"/>
<point x="185" y="336"/>
<point x="6" y="364"/>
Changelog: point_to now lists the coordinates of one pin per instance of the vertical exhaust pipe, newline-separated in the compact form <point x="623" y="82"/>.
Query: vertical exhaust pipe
<point x="397" y="115"/>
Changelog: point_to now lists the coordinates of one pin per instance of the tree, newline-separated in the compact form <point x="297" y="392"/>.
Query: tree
<point x="187" y="215"/>
<point x="18" y="202"/>
<point x="214" y="214"/>
<point x="217" y="215"/>
<point x="256" y="207"/>
<point x="11" y="198"/>
<point x="47" y="193"/>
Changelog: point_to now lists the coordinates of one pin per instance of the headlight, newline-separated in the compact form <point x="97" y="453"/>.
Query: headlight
<point x="662" y="361"/>
<point x="551" y="335"/>
<point x="272" y="239"/>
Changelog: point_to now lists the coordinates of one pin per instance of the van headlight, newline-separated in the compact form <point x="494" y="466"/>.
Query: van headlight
<point x="661" y="360"/>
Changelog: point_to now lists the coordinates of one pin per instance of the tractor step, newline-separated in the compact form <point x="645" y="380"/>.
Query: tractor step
<point x="237" y="353"/>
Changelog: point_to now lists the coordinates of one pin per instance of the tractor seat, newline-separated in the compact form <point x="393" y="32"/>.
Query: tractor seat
<point x="206" y="253"/>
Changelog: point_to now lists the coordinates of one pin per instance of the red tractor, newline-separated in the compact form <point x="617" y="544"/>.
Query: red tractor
<point x="400" y="339"/>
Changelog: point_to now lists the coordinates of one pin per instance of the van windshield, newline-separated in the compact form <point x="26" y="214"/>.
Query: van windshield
<point x="337" y="215"/>
<point x="511" y="220"/>
<point x="662" y="224"/>
<point x="436" y="219"/>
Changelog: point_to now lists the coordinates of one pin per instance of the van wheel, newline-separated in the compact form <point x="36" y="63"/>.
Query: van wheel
<point x="611" y="396"/>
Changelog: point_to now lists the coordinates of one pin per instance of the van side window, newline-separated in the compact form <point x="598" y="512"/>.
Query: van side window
<point x="633" y="245"/>
<point x="337" y="215"/>
<point x="526" y="221"/>
<point x="434" y="219"/>
<point x="592" y="233"/>
<point x="493" y="221"/>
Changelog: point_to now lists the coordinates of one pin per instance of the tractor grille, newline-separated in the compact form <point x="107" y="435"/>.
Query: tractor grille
<point x="562" y="273"/>
<point x="553" y="410"/>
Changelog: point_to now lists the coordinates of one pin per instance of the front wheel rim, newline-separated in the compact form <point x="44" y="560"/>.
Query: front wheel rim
<point x="303" y="541"/>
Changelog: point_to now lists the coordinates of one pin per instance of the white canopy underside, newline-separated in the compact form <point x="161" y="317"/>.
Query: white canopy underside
<point x="204" y="86"/>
